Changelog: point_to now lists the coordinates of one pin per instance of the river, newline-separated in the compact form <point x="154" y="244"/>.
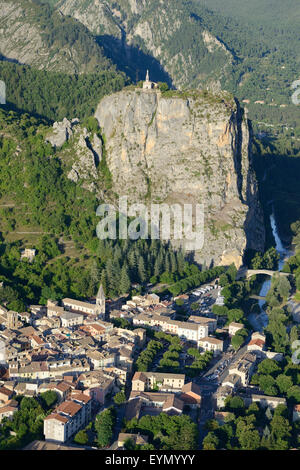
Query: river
<point x="261" y="320"/>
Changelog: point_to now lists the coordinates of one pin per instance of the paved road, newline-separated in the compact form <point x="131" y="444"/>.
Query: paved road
<point x="119" y="421"/>
<point x="209" y="387"/>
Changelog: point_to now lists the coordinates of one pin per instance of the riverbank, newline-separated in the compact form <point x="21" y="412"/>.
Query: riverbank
<point x="260" y="321"/>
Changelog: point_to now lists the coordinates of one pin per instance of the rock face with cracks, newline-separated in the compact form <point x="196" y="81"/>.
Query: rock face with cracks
<point x="187" y="148"/>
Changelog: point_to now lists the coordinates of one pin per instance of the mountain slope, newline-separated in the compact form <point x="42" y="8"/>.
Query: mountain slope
<point x="137" y="35"/>
<point x="252" y="52"/>
<point x="33" y="33"/>
<point x="55" y="95"/>
<point x="271" y="12"/>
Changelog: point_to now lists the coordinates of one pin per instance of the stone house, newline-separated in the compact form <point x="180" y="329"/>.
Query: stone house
<point x="209" y="343"/>
<point x="234" y="328"/>
<point x="191" y="395"/>
<point x="144" y="381"/>
<point x="97" y="385"/>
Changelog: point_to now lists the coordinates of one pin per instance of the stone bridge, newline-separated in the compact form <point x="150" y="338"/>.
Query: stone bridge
<point x="244" y="272"/>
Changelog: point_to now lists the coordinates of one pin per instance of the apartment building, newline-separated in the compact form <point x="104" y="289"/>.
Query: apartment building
<point x="187" y="331"/>
<point x="210" y="322"/>
<point x="68" y="418"/>
<point x="244" y="367"/>
<point x="71" y="319"/>
<point x="62" y="389"/>
<point x="296" y="413"/>
<point x="7" y="411"/>
<point x="53" y="309"/>
<point x="36" y="370"/>
<point x="191" y="395"/>
<point x="100" y="359"/>
<point x="222" y="392"/>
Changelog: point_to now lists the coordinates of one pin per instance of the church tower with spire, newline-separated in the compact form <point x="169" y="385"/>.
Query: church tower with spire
<point x="100" y="301"/>
<point x="147" y="84"/>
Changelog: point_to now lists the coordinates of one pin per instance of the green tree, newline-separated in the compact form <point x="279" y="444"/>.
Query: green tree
<point x="268" y="385"/>
<point x="210" y="442"/>
<point x="293" y="394"/>
<point x="48" y="398"/>
<point x="249" y="439"/>
<point x="120" y="398"/>
<point x="125" y="283"/>
<point x="237" y="341"/>
<point x="280" y="427"/>
<point x="104" y="424"/>
<point x="81" y="438"/>
<point x="268" y="367"/>
<point x="284" y="382"/>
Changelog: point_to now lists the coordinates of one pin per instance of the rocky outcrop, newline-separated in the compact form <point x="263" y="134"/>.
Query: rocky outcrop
<point x="82" y="156"/>
<point x="88" y="151"/>
<point x="187" y="148"/>
<point x="62" y="131"/>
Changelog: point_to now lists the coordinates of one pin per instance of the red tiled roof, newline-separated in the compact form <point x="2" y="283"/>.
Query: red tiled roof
<point x="80" y="397"/>
<point x="37" y="339"/>
<point x="5" y="391"/>
<point x="63" y="386"/>
<point x="258" y="342"/>
<point x="6" y="408"/>
<point x="69" y="407"/>
<point x="98" y="328"/>
<point x="58" y="417"/>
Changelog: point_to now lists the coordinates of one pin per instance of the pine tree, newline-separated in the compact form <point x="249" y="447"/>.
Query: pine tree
<point x="94" y="278"/>
<point x="113" y="272"/>
<point x="269" y="413"/>
<point x="117" y="254"/>
<point x="104" y="281"/>
<point x="180" y="262"/>
<point x="167" y="264"/>
<point x="293" y="334"/>
<point x="157" y="267"/>
<point x="125" y="283"/>
<point x="141" y="269"/>
<point x="132" y="261"/>
<point x="173" y="262"/>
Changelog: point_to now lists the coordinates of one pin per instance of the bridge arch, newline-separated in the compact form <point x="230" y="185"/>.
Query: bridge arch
<point x="248" y="273"/>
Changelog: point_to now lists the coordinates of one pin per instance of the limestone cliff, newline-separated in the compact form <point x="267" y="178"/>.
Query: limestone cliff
<point x="190" y="147"/>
